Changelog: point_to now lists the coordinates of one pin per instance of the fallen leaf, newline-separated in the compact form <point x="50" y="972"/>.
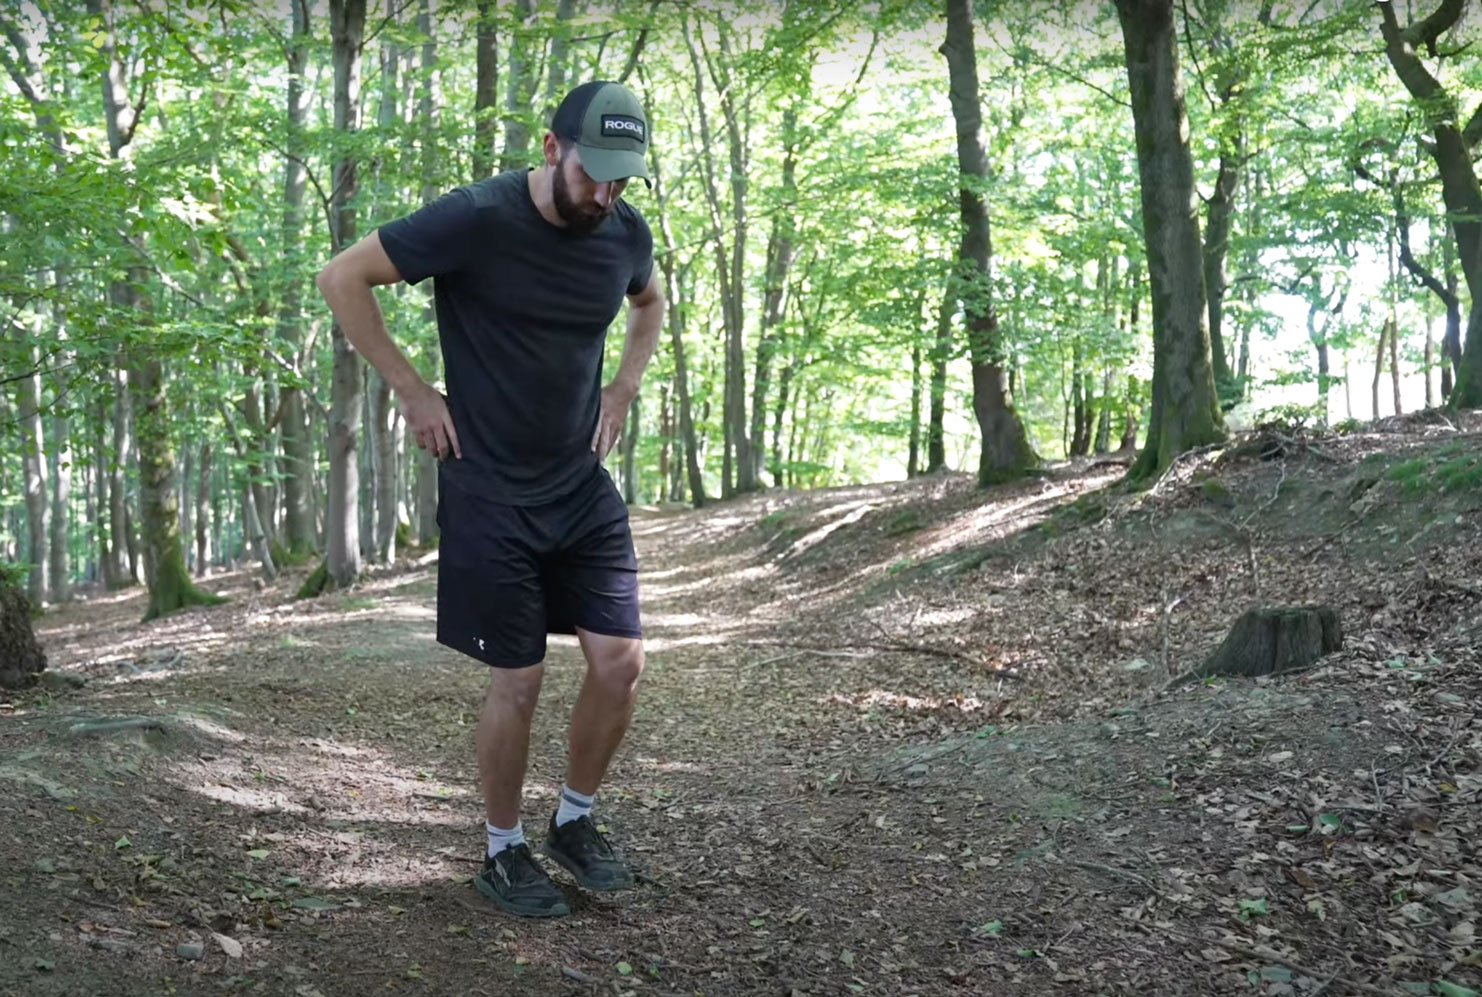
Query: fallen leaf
<point x="230" y="946"/>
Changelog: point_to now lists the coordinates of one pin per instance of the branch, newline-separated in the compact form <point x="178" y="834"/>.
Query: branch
<point x="637" y="49"/>
<point x="1472" y="133"/>
<point x="1431" y="28"/>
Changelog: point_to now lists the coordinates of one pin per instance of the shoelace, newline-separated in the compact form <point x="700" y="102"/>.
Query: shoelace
<point x="590" y="835"/>
<point x="522" y="867"/>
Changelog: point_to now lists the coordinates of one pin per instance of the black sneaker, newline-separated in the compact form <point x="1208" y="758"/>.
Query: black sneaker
<point x="583" y="851"/>
<point x="517" y="883"/>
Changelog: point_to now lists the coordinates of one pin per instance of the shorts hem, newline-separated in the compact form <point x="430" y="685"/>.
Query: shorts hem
<point x="611" y="631"/>
<point x="492" y="661"/>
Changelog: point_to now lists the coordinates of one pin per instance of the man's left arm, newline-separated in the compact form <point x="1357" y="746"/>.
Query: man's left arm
<point x="645" y="322"/>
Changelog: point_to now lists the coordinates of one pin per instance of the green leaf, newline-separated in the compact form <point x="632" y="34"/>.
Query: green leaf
<point x="1330" y="822"/>
<point x="847" y="958"/>
<point x="258" y="853"/>
<point x="1276" y="974"/>
<point x="1446" y="989"/>
<point x="855" y="988"/>
<point x="991" y="928"/>
<point x="122" y="843"/>
<point x="625" y="968"/>
<point x="757" y="922"/>
<point x="314" y="903"/>
<point x="1248" y="908"/>
<point x="46" y="965"/>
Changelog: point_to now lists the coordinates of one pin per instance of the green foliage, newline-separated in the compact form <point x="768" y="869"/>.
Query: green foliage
<point x="1438" y="473"/>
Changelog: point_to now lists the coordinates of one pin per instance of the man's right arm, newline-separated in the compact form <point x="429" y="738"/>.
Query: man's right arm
<point x="346" y="283"/>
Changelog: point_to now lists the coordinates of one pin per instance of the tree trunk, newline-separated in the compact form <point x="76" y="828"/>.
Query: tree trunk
<point x="1005" y="453"/>
<point x="913" y="458"/>
<point x="1451" y="341"/>
<point x="298" y="448"/>
<point x="256" y="537"/>
<point x="1103" y="421"/>
<point x="936" y="441"/>
<point x="347" y="19"/>
<point x="1430" y="362"/>
<point x="630" y="450"/>
<point x="170" y="587"/>
<point x="203" y="511"/>
<point x="33" y="471"/>
<point x="521" y="88"/>
<point x="386" y="474"/>
<point x="779" y="266"/>
<point x="1394" y="362"/>
<point x="1453" y="152"/>
<point x="1216" y="252"/>
<point x="1186" y="411"/>
<point x="729" y="268"/>
<point x="1379" y="366"/>
<point x="779" y="416"/>
<point x="21" y="657"/>
<point x="676" y="295"/>
<point x="485" y="90"/>
<point x="1080" y="445"/>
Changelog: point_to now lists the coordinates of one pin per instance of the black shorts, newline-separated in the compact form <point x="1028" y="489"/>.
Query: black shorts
<point x="508" y="575"/>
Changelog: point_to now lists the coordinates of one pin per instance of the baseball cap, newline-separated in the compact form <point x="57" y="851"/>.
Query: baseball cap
<point x="608" y="125"/>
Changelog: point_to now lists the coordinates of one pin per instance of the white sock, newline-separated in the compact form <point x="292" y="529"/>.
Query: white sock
<point x="574" y="806"/>
<point x="501" y="838"/>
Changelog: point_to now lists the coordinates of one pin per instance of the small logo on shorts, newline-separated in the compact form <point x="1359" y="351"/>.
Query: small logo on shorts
<point x="480" y="642"/>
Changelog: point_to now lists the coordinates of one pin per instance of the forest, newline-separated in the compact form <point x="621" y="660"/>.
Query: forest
<point x="1056" y="497"/>
<point x="871" y="275"/>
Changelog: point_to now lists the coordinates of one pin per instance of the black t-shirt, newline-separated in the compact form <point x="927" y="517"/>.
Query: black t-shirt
<point x="523" y="308"/>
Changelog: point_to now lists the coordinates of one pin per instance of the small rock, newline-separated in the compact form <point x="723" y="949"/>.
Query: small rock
<point x="920" y="768"/>
<point x="190" y="950"/>
<point x="111" y="945"/>
<point x="44" y="865"/>
<point x="230" y="946"/>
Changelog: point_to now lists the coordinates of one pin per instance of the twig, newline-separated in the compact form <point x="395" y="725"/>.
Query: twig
<point x="1113" y="871"/>
<point x="577" y="975"/>
<point x="1334" y="535"/>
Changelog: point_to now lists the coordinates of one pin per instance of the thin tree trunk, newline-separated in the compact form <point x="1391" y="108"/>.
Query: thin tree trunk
<point x="298" y="448"/>
<point x="784" y="386"/>
<point x="1394" y="363"/>
<point x="1005" y="452"/>
<point x="1430" y="362"/>
<point x="485" y="91"/>
<point x="347" y="18"/>
<point x="1186" y="411"/>
<point x="1379" y="366"/>
<point x="256" y="536"/>
<point x="1103" y="421"/>
<point x="203" y="510"/>
<point x="630" y="450"/>
<point x="913" y="457"/>
<point x="520" y="89"/>
<point x="1216" y="252"/>
<point x="33" y="470"/>
<point x="779" y="266"/>
<point x="386" y="472"/>
<point x="936" y="444"/>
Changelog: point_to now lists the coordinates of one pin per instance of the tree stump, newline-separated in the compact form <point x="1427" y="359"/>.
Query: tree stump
<point x="20" y="656"/>
<point x="1269" y="640"/>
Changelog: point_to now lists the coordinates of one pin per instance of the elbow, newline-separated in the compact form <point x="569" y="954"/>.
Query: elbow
<point x="327" y="279"/>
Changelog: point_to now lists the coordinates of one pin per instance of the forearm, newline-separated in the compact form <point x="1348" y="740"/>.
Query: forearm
<point x="355" y="308"/>
<point x="645" y="322"/>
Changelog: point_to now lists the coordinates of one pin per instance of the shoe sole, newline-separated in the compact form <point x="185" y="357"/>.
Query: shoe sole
<point x="512" y="908"/>
<point x="581" y="880"/>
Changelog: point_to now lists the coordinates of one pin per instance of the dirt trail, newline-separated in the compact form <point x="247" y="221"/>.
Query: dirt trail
<point x="904" y="739"/>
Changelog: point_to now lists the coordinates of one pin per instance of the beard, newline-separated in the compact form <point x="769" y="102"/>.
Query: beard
<point x="580" y="219"/>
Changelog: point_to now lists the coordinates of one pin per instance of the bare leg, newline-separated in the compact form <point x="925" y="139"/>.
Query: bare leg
<point x="503" y="740"/>
<point x="603" y="708"/>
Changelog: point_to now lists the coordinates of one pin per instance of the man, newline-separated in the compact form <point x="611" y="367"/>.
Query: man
<point x="529" y="269"/>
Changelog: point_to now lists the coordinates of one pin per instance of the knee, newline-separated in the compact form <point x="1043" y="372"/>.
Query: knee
<point x="515" y="689"/>
<point x="618" y="668"/>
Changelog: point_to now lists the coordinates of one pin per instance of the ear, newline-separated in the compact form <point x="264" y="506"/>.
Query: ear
<point x="552" y="149"/>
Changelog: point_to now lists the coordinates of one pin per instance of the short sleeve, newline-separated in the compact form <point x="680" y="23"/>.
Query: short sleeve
<point x="643" y="256"/>
<point x="435" y="239"/>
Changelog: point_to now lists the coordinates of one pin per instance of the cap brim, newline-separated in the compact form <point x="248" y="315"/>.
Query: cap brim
<point x="603" y="165"/>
